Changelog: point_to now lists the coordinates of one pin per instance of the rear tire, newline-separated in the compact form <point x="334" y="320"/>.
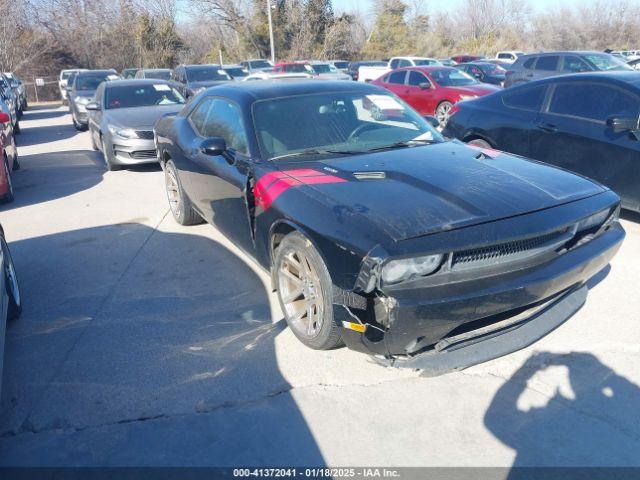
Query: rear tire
<point x="305" y="292"/>
<point x="442" y="112"/>
<point x="179" y="203"/>
<point x="16" y="127"/>
<point x="9" y="196"/>
<point x="11" y="283"/>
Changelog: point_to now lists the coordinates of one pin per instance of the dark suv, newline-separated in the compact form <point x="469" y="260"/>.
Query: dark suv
<point x="196" y="78"/>
<point x="549" y="64"/>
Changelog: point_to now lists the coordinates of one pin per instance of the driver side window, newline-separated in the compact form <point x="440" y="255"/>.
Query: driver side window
<point x="416" y="78"/>
<point x="225" y="120"/>
<point x="199" y="115"/>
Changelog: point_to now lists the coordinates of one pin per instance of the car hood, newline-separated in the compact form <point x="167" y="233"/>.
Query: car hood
<point x="478" y="90"/>
<point x="84" y="93"/>
<point x="421" y="190"/>
<point x="139" y="117"/>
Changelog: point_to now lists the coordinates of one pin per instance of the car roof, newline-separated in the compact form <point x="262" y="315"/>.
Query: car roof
<point x="265" y="89"/>
<point x="627" y="77"/>
<point x="428" y="68"/>
<point x="89" y="73"/>
<point x="564" y="52"/>
<point x="137" y="81"/>
<point x="197" y="65"/>
<point x="235" y="65"/>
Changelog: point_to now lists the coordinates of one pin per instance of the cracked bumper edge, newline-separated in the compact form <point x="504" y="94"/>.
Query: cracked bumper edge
<point x="479" y="350"/>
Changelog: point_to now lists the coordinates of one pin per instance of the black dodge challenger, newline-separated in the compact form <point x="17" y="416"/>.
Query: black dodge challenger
<point x="378" y="233"/>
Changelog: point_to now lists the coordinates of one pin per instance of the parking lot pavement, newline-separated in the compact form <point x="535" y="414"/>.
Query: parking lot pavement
<point x="146" y="343"/>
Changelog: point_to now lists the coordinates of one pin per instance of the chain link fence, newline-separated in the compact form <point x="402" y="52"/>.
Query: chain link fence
<point x="42" y="89"/>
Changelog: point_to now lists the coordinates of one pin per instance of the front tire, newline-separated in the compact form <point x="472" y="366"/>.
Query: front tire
<point x="179" y="203"/>
<point x="106" y="155"/>
<point x="305" y="292"/>
<point x="11" y="282"/>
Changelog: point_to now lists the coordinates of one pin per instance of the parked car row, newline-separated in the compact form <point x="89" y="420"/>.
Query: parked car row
<point x="13" y="101"/>
<point x="307" y="175"/>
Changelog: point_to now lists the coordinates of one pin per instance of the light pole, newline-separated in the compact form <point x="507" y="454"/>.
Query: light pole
<point x="273" y="53"/>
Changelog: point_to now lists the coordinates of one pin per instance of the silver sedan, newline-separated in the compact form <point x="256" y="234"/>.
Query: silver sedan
<point x="122" y="117"/>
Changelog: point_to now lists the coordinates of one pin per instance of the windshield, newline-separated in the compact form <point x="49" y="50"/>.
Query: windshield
<point x="451" y="77"/>
<point x="128" y="96"/>
<point x="492" y="69"/>
<point x="159" y="74"/>
<point x="66" y="75"/>
<point x="129" y="73"/>
<point x="260" y="64"/>
<point x="236" y="72"/>
<point x="606" y="62"/>
<point x="90" y="82"/>
<point x="341" y="65"/>
<point x="296" y="68"/>
<point x="206" y="74"/>
<point x="425" y="62"/>
<point x="324" y="68"/>
<point x="347" y="122"/>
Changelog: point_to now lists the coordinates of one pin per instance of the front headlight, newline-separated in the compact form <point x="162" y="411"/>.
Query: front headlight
<point x="593" y="221"/>
<point x="397" y="271"/>
<point x="124" y="133"/>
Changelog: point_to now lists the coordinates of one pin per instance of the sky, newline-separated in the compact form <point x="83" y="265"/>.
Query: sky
<point x="448" y="5"/>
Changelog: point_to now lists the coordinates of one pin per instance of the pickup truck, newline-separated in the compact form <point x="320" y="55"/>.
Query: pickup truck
<point x="367" y="74"/>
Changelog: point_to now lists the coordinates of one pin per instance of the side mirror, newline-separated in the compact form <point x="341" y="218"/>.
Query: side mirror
<point x="433" y="121"/>
<point x="4" y="118"/>
<point x="213" y="146"/>
<point x="424" y="86"/>
<point x="92" y="106"/>
<point x="623" y="124"/>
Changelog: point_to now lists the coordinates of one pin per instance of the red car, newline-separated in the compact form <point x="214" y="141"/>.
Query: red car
<point x="466" y="58"/>
<point x="433" y="90"/>
<point x="8" y="160"/>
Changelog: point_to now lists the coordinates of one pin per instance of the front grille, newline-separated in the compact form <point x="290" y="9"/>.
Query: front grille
<point x="142" y="154"/>
<point x="146" y="134"/>
<point x="509" y="251"/>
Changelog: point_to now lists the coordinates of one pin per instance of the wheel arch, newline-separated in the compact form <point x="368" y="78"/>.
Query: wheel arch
<point x="474" y="135"/>
<point x="280" y="229"/>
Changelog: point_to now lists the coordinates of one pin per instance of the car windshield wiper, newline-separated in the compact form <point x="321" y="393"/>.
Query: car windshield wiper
<point x="405" y="143"/>
<point x="315" y="151"/>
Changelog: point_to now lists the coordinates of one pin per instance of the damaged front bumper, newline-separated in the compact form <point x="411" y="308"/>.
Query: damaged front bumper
<point x="451" y="326"/>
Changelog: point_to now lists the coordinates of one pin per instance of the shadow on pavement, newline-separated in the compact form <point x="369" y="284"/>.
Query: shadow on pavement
<point x="170" y="363"/>
<point x="49" y="176"/>
<point x="43" y="113"/>
<point x="33" y="135"/>
<point x="578" y="426"/>
<point x="631" y="216"/>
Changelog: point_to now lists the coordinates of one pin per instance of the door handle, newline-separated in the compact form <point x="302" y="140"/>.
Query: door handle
<point x="547" y="127"/>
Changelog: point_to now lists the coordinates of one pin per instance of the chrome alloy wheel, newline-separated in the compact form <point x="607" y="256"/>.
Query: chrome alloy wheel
<point x="442" y="113"/>
<point x="11" y="279"/>
<point x="173" y="191"/>
<point x="9" y="182"/>
<point x="301" y="294"/>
